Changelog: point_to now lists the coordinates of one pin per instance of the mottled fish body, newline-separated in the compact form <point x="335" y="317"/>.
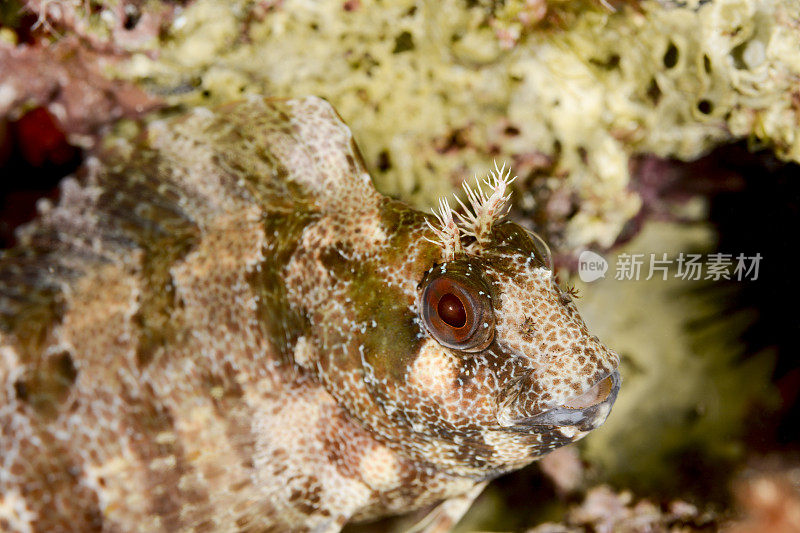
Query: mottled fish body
<point x="222" y="326"/>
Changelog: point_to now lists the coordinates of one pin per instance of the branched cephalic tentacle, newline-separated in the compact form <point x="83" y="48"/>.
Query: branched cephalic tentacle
<point x="480" y="211"/>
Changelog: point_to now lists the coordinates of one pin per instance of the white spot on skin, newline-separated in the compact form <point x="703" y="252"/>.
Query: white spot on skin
<point x="14" y="510"/>
<point x="434" y="369"/>
<point x="568" y="431"/>
<point x="379" y="469"/>
<point x="117" y="477"/>
<point x="303" y="352"/>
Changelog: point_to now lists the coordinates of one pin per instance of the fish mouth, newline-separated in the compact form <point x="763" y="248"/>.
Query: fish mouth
<point x="585" y="411"/>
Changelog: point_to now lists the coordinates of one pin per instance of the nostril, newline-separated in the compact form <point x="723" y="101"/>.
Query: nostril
<point x="597" y="394"/>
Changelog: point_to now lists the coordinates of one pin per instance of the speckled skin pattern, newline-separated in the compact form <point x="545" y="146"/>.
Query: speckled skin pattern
<point x="218" y="329"/>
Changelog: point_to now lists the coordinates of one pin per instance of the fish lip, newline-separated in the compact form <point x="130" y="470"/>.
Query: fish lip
<point x="586" y="418"/>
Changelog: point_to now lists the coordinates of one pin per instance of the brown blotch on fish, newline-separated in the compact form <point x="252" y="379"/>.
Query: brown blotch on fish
<point x="46" y="386"/>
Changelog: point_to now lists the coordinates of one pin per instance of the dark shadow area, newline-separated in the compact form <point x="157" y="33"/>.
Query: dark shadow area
<point x="34" y="156"/>
<point x="754" y="205"/>
<point x="764" y="218"/>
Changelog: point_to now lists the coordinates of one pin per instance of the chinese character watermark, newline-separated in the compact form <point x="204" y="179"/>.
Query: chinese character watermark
<point x="685" y="266"/>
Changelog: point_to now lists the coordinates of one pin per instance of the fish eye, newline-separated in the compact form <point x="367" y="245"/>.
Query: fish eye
<point x="457" y="311"/>
<point x="452" y="311"/>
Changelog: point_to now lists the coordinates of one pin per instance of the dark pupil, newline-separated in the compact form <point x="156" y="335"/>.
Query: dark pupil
<point x="452" y="311"/>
